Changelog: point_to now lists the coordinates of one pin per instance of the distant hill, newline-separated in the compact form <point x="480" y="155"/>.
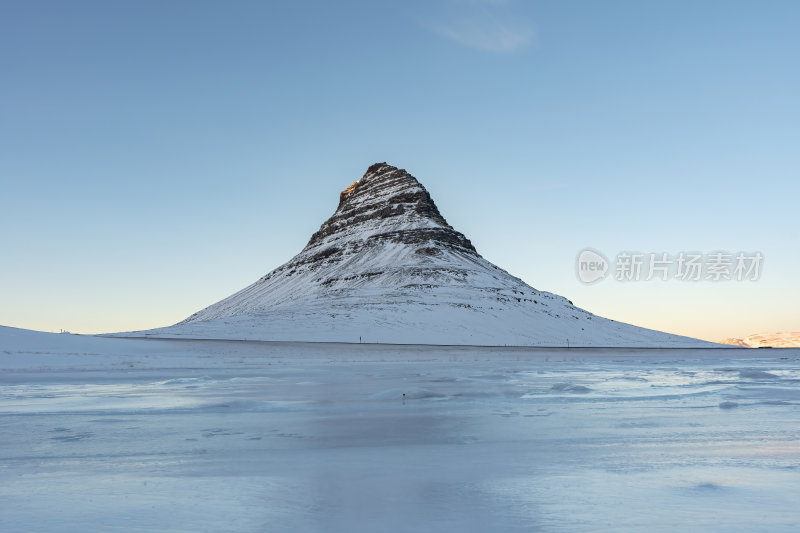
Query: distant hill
<point x="781" y="339"/>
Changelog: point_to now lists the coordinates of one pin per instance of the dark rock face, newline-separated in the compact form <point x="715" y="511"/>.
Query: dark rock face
<point x="394" y="202"/>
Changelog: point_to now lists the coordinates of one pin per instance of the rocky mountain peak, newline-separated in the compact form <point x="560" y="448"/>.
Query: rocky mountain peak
<point x="390" y="204"/>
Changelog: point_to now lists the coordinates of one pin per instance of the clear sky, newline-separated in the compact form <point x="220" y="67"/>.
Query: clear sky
<point x="157" y="156"/>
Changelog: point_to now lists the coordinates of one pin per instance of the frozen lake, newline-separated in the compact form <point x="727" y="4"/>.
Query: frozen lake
<point x="146" y="435"/>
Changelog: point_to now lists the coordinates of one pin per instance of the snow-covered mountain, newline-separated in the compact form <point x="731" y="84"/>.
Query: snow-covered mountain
<point x="387" y="267"/>
<point x="781" y="339"/>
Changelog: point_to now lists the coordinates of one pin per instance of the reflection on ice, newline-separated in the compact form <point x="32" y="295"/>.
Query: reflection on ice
<point x="254" y="437"/>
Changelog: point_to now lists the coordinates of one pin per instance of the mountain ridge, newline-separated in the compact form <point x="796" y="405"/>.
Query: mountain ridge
<point x="779" y="339"/>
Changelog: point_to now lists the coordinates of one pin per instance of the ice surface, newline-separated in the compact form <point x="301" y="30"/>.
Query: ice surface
<point x="152" y="435"/>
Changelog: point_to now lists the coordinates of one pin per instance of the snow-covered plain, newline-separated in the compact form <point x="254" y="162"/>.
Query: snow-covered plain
<point x="111" y="434"/>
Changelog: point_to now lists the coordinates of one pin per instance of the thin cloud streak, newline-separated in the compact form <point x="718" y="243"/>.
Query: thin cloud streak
<point x="485" y="25"/>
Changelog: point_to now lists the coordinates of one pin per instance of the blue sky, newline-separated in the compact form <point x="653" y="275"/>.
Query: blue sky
<point x="158" y="156"/>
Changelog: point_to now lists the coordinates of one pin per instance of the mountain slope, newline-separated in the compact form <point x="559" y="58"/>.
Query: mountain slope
<point x="387" y="267"/>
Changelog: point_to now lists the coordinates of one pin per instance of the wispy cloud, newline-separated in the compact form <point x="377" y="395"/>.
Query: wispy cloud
<point x="489" y="25"/>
